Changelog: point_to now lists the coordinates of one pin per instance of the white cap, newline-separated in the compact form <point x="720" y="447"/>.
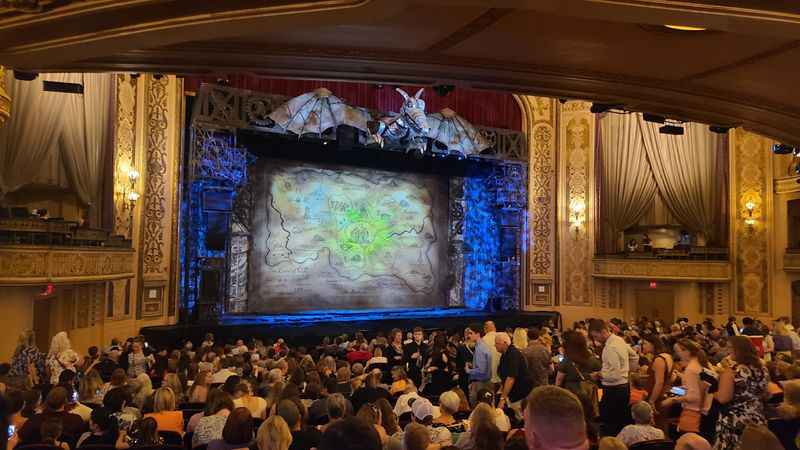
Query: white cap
<point x="422" y="408"/>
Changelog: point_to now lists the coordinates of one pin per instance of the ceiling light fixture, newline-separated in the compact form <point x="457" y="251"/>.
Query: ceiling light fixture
<point x="598" y="108"/>
<point x="673" y="130"/>
<point x="685" y="28"/>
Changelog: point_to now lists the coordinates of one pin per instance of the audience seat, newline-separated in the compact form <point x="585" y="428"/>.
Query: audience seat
<point x="171" y="438"/>
<point x="786" y="431"/>
<point x="37" y="447"/>
<point x="660" y="444"/>
<point x="97" y="447"/>
<point x="161" y="447"/>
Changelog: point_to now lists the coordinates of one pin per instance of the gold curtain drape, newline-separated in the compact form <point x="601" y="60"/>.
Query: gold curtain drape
<point x="688" y="173"/>
<point x="628" y="189"/>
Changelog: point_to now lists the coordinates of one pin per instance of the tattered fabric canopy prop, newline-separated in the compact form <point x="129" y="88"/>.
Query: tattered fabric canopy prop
<point x="456" y="133"/>
<point x="316" y="112"/>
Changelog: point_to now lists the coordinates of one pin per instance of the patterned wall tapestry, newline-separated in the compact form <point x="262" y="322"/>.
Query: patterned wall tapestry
<point x="125" y="157"/>
<point x="752" y="177"/>
<point x="576" y="170"/>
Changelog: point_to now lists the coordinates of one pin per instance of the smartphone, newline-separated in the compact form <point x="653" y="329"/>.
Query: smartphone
<point x="677" y="390"/>
<point x="75" y="397"/>
<point x="11" y="430"/>
<point x="560" y="358"/>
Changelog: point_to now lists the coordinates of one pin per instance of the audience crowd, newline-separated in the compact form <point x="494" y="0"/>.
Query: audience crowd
<point x="597" y="384"/>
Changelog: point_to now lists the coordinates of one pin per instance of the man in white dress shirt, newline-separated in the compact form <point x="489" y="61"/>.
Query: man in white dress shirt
<point x="615" y="411"/>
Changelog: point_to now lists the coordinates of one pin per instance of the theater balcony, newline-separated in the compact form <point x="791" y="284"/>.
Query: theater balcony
<point x="643" y="268"/>
<point x="34" y="251"/>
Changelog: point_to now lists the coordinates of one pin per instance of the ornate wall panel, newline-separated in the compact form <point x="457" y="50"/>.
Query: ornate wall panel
<point x="752" y="183"/>
<point x="539" y="122"/>
<point x="125" y="157"/>
<point x="5" y="100"/>
<point x="162" y="130"/>
<point x="576" y="186"/>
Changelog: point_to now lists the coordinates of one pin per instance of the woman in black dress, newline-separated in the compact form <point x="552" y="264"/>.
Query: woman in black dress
<point x="438" y="371"/>
<point x="394" y="353"/>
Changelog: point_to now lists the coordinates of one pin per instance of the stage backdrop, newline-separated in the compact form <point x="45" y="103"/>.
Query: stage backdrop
<point x="341" y="237"/>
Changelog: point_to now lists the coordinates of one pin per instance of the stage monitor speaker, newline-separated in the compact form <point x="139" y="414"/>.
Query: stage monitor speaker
<point x="218" y="200"/>
<point x="217" y="231"/>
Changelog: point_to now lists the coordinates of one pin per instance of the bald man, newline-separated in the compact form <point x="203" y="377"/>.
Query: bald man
<point x="554" y="420"/>
<point x="515" y="379"/>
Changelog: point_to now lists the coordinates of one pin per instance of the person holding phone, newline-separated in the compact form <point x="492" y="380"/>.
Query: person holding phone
<point x="694" y="389"/>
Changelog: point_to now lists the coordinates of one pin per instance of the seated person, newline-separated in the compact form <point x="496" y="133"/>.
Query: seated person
<point x="54" y="408"/>
<point x="51" y="433"/>
<point x="633" y="246"/>
<point x="643" y="429"/>
<point x="165" y="414"/>
<point x="100" y="432"/>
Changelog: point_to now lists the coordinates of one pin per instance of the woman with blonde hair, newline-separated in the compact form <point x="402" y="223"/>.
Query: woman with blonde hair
<point x="520" y="338"/>
<point x="27" y="363"/>
<point x="198" y="393"/>
<point x="173" y="381"/>
<point x="142" y="390"/>
<point x="274" y="434"/>
<point x="164" y="411"/>
<point x="60" y="357"/>
<point x="244" y="398"/>
<point x="90" y="389"/>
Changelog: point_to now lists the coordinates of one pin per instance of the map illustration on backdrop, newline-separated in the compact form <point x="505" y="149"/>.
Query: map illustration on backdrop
<point x="346" y="238"/>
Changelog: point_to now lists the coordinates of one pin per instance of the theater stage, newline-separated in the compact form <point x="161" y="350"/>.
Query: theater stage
<point x="309" y="327"/>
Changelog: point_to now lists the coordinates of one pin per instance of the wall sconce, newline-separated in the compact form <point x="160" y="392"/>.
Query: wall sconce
<point x="577" y="216"/>
<point x="129" y="196"/>
<point x="749" y="220"/>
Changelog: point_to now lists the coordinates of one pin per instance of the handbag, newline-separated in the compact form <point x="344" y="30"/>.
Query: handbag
<point x="587" y="393"/>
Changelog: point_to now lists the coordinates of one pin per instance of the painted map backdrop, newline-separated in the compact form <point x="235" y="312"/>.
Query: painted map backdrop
<point x="341" y="237"/>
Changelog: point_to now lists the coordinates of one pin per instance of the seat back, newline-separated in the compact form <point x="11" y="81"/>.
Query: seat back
<point x="659" y="444"/>
<point x="171" y="438"/>
<point x="786" y="431"/>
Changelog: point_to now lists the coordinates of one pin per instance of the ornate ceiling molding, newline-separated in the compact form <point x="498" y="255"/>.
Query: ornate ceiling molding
<point x="734" y="9"/>
<point x="194" y="14"/>
<point x="677" y="99"/>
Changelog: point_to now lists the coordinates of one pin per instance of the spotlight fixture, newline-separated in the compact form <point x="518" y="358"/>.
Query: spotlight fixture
<point x="158" y="76"/>
<point x="673" y="130"/>
<point x="655" y="118"/>
<point x="563" y="100"/>
<point x="58" y="86"/>
<point x="443" y="89"/>
<point x="135" y="75"/>
<point x="223" y="82"/>
<point x="783" y="149"/>
<point x="598" y="108"/>
<point x="719" y="129"/>
<point x="25" y="76"/>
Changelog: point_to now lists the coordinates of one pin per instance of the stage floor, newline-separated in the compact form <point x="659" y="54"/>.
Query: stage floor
<point x="310" y="326"/>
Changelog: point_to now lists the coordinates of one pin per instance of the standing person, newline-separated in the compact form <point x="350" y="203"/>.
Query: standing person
<point x="741" y="390"/>
<point x="749" y="327"/>
<point x="693" y="403"/>
<point x="732" y="328"/>
<point x="27" y="363"/>
<point x="138" y="362"/>
<point x="60" y="357"/>
<point x="489" y="332"/>
<point x="516" y="381"/>
<point x="575" y="372"/>
<point x="659" y="374"/>
<point x="437" y="368"/>
<point x="537" y="358"/>
<point x="480" y="369"/>
<point x="394" y="353"/>
<point x="615" y="410"/>
<point x="416" y="354"/>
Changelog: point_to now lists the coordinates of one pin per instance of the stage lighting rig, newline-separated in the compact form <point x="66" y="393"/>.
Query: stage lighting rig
<point x="785" y="149"/>
<point x="25" y="76"/>
<point x="598" y="108"/>
<point x="654" y="118"/>
<point x="673" y="130"/>
<point x="719" y="129"/>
